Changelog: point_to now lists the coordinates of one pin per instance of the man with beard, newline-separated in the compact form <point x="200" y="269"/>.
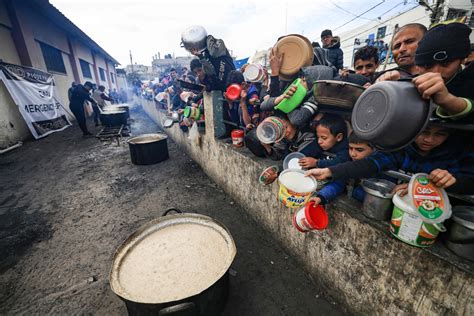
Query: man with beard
<point x="404" y="45"/>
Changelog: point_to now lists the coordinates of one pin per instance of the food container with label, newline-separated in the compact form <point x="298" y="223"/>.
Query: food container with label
<point x="418" y="217"/>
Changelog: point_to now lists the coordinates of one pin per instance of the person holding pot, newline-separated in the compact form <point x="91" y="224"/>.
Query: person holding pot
<point x="79" y="95"/>
<point x="434" y="152"/>
<point x="440" y="57"/>
<point x="214" y="57"/>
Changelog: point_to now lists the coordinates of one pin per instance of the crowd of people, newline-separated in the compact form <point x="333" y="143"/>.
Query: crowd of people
<point x="437" y="61"/>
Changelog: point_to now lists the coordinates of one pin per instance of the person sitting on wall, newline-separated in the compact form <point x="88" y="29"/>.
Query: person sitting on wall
<point x="79" y="95"/>
<point x="216" y="63"/>
<point x="446" y="160"/>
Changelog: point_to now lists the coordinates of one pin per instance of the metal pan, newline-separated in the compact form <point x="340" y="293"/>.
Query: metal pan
<point x="208" y="298"/>
<point x="339" y="94"/>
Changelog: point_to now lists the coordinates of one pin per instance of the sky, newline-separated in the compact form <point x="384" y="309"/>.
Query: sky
<point x="147" y="27"/>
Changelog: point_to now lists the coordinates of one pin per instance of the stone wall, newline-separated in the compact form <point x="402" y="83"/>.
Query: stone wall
<point x="355" y="258"/>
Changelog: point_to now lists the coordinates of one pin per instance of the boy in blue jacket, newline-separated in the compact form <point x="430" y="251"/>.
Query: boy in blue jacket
<point x="446" y="159"/>
<point x="331" y="147"/>
<point x="358" y="150"/>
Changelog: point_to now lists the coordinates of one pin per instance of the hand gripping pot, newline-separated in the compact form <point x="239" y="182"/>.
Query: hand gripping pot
<point x="390" y="114"/>
<point x="288" y="105"/>
<point x="194" y="37"/>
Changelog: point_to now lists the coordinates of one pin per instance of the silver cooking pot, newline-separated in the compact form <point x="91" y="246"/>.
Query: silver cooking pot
<point x="194" y="37"/>
<point x="390" y="114"/>
<point x="378" y="198"/>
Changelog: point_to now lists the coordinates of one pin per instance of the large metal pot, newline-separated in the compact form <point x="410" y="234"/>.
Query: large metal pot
<point x="378" y="198"/>
<point x="201" y="286"/>
<point x="113" y="118"/>
<point x="390" y="114"/>
<point x="340" y="94"/>
<point x="118" y="107"/>
<point x="194" y="37"/>
<point x="148" y="149"/>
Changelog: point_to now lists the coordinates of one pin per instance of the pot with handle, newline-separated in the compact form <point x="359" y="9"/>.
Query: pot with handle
<point x="390" y="114"/>
<point x="148" y="286"/>
<point x="339" y="94"/>
<point x="194" y="37"/>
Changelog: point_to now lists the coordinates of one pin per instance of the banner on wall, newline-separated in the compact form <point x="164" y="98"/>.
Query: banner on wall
<point x="35" y="94"/>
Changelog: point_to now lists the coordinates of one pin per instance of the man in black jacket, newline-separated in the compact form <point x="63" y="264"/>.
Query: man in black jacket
<point x="333" y="46"/>
<point x="79" y="95"/>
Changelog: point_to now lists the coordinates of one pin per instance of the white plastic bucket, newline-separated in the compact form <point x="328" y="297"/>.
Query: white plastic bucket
<point x="295" y="188"/>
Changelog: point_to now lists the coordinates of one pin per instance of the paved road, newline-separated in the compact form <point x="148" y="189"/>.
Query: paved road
<point x="66" y="204"/>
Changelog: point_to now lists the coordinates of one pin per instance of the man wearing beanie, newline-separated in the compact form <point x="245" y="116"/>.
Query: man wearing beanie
<point x="440" y="57"/>
<point x="333" y="46"/>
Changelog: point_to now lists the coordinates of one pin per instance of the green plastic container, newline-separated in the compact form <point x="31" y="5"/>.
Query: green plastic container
<point x="288" y="105"/>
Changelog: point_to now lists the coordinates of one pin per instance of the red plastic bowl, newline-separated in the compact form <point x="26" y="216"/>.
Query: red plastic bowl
<point x="233" y="91"/>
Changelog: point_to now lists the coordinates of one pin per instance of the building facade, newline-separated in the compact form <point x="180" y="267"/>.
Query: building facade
<point x="381" y="32"/>
<point x="35" y="34"/>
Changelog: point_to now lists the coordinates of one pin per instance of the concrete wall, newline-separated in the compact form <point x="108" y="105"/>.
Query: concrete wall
<point x="355" y="259"/>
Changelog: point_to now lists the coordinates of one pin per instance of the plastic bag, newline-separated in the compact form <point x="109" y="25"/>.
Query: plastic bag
<point x="194" y="136"/>
<point x="88" y="110"/>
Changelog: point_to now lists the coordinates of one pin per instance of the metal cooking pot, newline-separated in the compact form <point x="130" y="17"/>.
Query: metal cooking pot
<point x="378" y="198"/>
<point x="194" y="37"/>
<point x="338" y="94"/>
<point x="120" y="107"/>
<point x="148" y="149"/>
<point x="462" y="226"/>
<point x="209" y="301"/>
<point x="113" y="118"/>
<point x="390" y="114"/>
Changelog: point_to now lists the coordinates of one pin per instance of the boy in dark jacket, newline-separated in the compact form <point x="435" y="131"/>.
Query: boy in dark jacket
<point x="447" y="162"/>
<point x="331" y="147"/>
<point x="294" y="140"/>
<point x="358" y="150"/>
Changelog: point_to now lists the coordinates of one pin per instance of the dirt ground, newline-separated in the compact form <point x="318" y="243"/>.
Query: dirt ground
<point x="66" y="204"/>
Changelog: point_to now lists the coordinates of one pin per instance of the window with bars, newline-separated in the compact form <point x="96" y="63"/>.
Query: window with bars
<point x="112" y="77"/>
<point x="102" y="74"/>
<point x="53" y="58"/>
<point x="85" y="68"/>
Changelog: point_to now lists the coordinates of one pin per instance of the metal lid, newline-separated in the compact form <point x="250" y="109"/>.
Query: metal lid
<point x="378" y="187"/>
